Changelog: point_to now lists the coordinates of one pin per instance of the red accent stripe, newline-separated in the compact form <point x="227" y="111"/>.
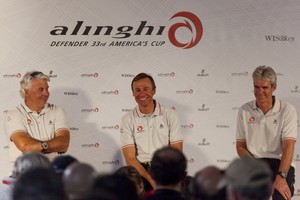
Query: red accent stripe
<point x="136" y="112"/>
<point x="6" y="182"/>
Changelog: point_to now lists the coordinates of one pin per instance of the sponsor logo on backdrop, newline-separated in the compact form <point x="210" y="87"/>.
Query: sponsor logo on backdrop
<point x="52" y="75"/>
<point x="297" y="192"/>
<point x="222" y="92"/>
<point x="222" y="126"/>
<point x="90" y="110"/>
<point x="128" y="75"/>
<point x="110" y="127"/>
<point x="113" y="92"/>
<point x="17" y="75"/>
<point x="93" y="145"/>
<point x="203" y="108"/>
<point x="296" y="89"/>
<point x="74" y="129"/>
<point x="223" y="161"/>
<point x="279" y="38"/>
<point x="188" y="91"/>
<point x="90" y="75"/>
<point x="203" y="73"/>
<point x="240" y="74"/>
<point x="128" y="35"/>
<point x="126" y="109"/>
<point x="71" y="93"/>
<point x="172" y="74"/>
<point x="297" y="158"/>
<point x="116" y="162"/>
<point x="187" y="126"/>
<point x="6" y="147"/>
<point x="204" y="142"/>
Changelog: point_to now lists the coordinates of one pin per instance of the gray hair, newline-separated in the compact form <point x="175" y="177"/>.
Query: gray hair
<point x="25" y="83"/>
<point x="29" y="161"/>
<point x="265" y="73"/>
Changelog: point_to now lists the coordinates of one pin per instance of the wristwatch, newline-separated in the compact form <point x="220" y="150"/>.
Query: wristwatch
<point x="282" y="174"/>
<point x="44" y="146"/>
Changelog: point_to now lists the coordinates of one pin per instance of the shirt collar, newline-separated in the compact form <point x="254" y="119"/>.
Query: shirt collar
<point x="44" y="110"/>
<point x="276" y="108"/>
<point x="157" y="111"/>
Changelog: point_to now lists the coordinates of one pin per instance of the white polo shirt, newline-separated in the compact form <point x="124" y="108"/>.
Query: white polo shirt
<point x="150" y="132"/>
<point x="40" y="126"/>
<point x="263" y="133"/>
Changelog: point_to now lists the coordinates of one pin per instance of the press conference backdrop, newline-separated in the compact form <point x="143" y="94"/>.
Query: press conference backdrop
<point x="200" y="53"/>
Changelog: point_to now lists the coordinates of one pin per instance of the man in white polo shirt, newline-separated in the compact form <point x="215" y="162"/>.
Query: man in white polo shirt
<point x="148" y="127"/>
<point x="267" y="129"/>
<point x="36" y="125"/>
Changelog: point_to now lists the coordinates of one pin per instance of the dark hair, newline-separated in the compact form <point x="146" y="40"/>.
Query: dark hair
<point x="120" y="186"/>
<point x="142" y="76"/>
<point x="130" y="172"/>
<point x="168" y="166"/>
<point x="39" y="184"/>
<point x="61" y="162"/>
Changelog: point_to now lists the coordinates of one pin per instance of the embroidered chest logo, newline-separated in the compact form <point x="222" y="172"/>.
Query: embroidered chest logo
<point x="251" y="120"/>
<point x="140" y="129"/>
<point x="50" y="122"/>
<point x="275" y="121"/>
<point x="161" y="126"/>
<point x="29" y="122"/>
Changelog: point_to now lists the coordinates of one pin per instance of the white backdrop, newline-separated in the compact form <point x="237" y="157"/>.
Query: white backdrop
<point x="91" y="62"/>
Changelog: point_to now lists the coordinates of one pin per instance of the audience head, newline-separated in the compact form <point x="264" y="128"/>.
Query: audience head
<point x="205" y="184"/>
<point x="60" y="163"/>
<point x="78" y="179"/>
<point x="25" y="83"/>
<point x="168" y="166"/>
<point x="119" y="187"/>
<point x="133" y="174"/>
<point x="39" y="184"/>
<point x="248" y="178"/>
<point x="29" y="161"/>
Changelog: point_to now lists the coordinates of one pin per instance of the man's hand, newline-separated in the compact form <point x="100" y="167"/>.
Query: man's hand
<point x="282" y="187"/>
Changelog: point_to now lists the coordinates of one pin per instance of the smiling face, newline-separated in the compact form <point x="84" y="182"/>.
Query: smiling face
<point x="37" y="95"/>
<point x="263" y="91"/>
<point x="143" y="93"/>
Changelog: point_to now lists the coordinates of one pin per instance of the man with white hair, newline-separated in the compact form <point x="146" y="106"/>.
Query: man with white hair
<point x="36" y="125"/>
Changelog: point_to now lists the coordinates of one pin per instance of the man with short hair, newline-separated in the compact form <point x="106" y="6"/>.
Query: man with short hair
<point x="36" y="125"/>
<point x="168" y="170"/>
<point x="267" y="129"/>
<point x="147" y="127"/>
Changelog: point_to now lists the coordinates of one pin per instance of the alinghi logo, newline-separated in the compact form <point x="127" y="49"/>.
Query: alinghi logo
<point x="190" y="22"/>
